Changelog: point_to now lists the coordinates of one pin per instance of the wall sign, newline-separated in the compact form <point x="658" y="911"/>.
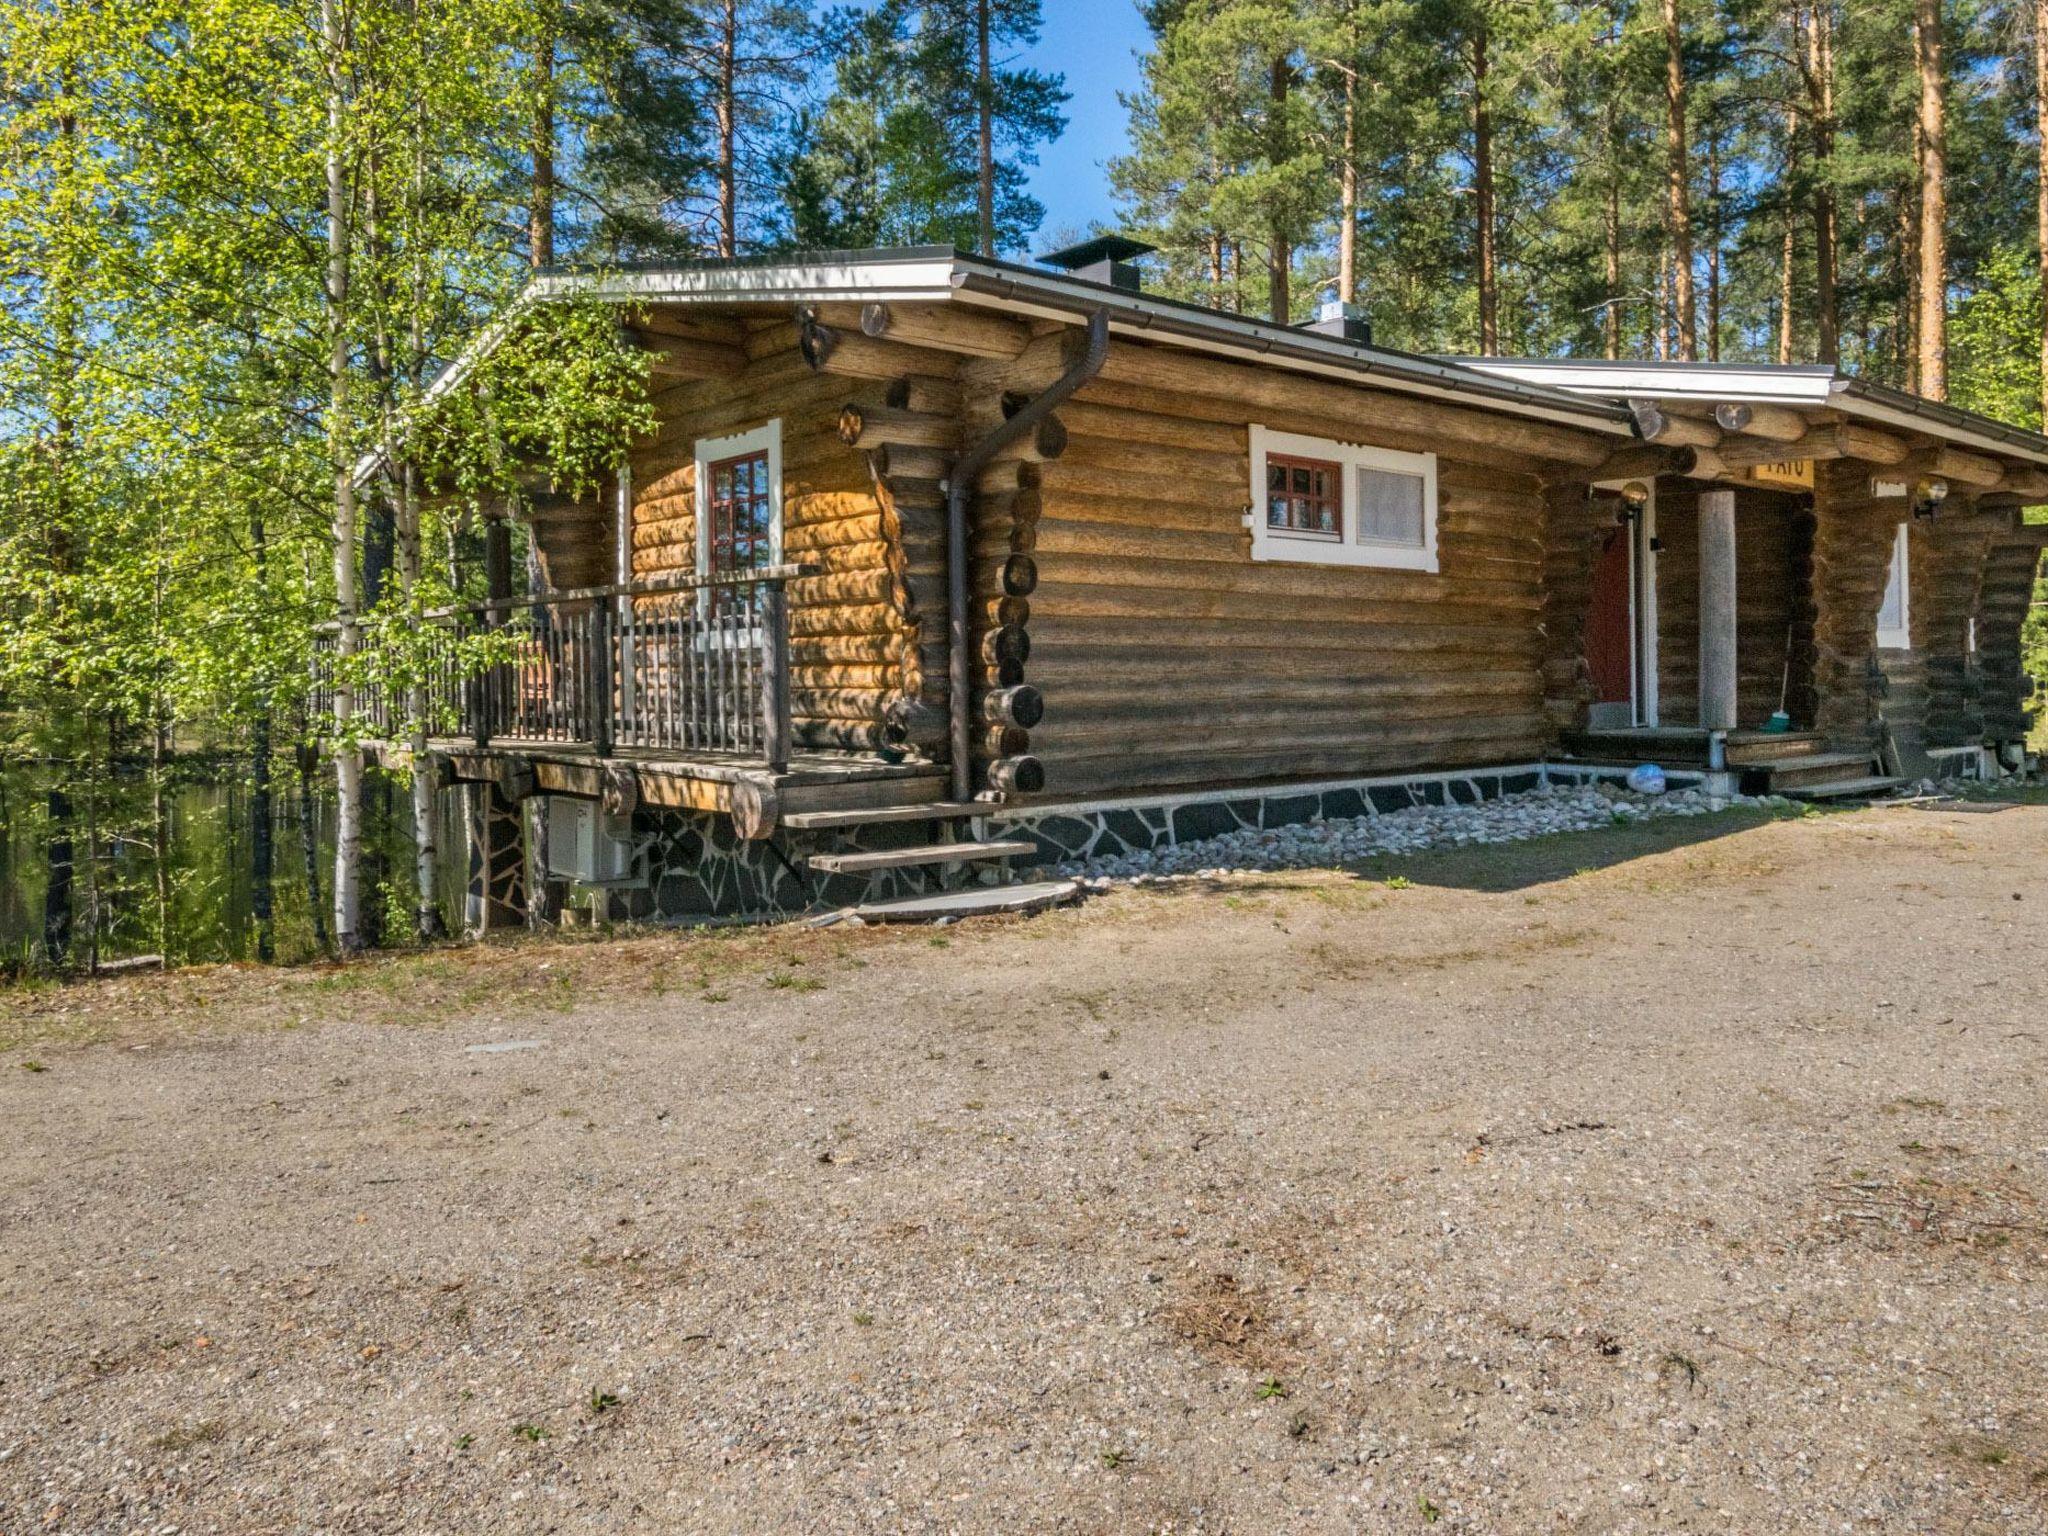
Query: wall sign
<point x="1793" y="474"/>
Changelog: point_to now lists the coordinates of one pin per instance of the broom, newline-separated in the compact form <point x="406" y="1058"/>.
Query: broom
<point x="1780" y="722"/>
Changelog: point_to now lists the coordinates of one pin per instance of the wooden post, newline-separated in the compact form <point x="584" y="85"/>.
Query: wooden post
<point x="775" y="727"/>
<point x="1717" y="610"/>
<point x="601" y="702"/>
<point x="498" y="593"/>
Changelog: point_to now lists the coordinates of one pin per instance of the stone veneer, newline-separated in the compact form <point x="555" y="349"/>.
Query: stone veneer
<point x="1111" y="828"/>
<point x="696" y="868"/>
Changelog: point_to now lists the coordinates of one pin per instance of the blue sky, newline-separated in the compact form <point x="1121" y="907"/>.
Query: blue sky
<point x="1092" y="43"/>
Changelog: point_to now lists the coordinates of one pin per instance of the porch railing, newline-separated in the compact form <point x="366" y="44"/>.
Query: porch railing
<point x="696" y="664"/>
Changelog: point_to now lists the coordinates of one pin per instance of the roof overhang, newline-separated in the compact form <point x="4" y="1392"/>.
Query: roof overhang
<point x="1813" y="387"/>
<point x="939" y="274"/>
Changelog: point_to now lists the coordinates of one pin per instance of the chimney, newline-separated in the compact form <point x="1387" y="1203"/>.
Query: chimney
<point x="1346" y="322"/>
<point x="1106" y="259"/>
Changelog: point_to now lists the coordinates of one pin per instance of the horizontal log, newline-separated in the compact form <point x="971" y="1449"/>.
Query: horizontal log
<point x="849" y="354"/>
<point x="1153" y="428"/>
<point x="1173" y="369"/>
<point x="1656" y="425"/>
<point x="931" y="396"/>
<point x="867" y="425"/>
<point x="999" y="740"/>
<point x="952" y="327"/>
<point x="1779" y="424"/>
<point x="1018" y="775"/>
<point x="1021" y="705"/>
<point x="1969" y="469"/>
<point x="676" y="357"/>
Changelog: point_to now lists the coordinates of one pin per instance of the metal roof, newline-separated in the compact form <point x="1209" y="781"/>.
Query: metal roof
<point x="940" y="273"/>
<point x="1808" y="386"/>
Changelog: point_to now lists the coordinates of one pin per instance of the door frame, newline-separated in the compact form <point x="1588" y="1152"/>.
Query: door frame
<point x="1642" y="604"/>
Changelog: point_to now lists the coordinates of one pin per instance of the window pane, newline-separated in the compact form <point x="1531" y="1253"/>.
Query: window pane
<point x="1390" y="508"/>
<point x="1301" y="496"/>
<point x="1892" y="615"/>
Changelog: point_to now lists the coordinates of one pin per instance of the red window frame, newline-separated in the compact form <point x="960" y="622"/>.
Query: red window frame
<point x="1307" y="503"/>
<point x="739" y="514"/>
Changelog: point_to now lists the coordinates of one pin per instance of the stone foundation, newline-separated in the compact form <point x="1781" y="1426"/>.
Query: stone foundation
<point x="1111" y="828"/>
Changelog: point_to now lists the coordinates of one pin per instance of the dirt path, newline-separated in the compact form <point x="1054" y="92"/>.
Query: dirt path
<point x="1613" y="1183"/>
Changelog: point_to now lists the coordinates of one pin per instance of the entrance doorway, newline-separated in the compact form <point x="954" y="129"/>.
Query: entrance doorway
<point x="1621" y="622"/>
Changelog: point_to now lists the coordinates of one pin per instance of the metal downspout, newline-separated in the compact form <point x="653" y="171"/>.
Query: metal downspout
<point x="959" y="486"/>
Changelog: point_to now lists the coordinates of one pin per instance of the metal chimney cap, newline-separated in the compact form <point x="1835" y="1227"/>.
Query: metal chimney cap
<point x="1100" y="249"/>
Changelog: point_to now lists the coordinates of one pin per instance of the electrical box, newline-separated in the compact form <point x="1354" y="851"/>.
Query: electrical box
<point x="586" y="845"/>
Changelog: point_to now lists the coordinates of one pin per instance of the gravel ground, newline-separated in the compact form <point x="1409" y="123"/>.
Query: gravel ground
<point x="1674" y="1177"/>
<point x="1419" y="829"/>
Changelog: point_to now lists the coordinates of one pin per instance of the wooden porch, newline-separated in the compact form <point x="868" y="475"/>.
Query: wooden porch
<point x="1800" y="764"/>
<point x="665" y="693"/>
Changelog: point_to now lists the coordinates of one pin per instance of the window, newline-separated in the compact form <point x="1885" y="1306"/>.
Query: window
<point x="738" y="513"/>
<point x="1895" y="614"/>
<point x="1328" y="503"/>
<point x="739" y="500"/>
<point x="1304" y="496"/>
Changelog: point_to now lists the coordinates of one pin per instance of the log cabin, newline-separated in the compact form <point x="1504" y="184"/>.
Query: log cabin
<point x="936" y="563"/>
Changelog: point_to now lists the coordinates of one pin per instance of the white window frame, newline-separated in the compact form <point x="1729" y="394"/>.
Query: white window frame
<point x="709" y="451"/>
<point x="1901" y="638"/>
<point x="1319" y="549"/>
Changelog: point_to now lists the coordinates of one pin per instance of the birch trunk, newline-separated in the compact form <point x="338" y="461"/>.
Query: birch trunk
<point x="348" y="758"/>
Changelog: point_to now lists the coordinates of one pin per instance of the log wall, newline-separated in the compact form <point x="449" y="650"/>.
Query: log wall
<point x="1773" y="534"/>
<point x="1167" y="656"/>
<point x="855" y="627"/>
<point x="2011" y="568"/>
<point x="1852" y="547"/>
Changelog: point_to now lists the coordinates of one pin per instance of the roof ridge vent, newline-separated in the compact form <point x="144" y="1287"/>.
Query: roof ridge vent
<point x="1105" y="259"/>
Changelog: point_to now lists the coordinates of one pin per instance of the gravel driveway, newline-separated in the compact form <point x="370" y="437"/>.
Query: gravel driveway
<point x="1684" y="1177"/>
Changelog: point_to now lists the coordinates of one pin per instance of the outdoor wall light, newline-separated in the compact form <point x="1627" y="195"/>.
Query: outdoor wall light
<point x="1928" y="495"/>
<point x="1634" y="497"/>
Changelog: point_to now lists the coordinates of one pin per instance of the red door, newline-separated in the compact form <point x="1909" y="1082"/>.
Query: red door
<point x="1610" y="645"/>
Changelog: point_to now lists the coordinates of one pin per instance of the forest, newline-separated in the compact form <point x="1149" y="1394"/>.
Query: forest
<point x="239" y="239"/>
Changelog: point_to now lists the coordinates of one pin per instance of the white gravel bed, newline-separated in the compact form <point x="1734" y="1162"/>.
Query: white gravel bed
<point x="1321" y="843"/>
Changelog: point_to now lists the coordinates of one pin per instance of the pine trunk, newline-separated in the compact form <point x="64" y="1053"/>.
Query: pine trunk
<point x="1713" y="251"/>
<point x="1933" y="337"/>
<point x="725" y="111"/>
<point x="540" y="230"/>
<point x="1482" y="199"/>
<point x="1820" y="56"/>
<point x="985" y="129"/>
<point x="1280" y="251"/>
<point x="1788" y="255"/>
<point x="1611" y="221"/>
<point x="1676" y="178"/>
<point x="2041" y="181"/>
<point x="1347" y="221"/>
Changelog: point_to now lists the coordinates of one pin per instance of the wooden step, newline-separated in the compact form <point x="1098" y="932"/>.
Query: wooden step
<point x="1810" y="768"/>
<point x="924" y="810"/>
<point x="929" y="853"/>
<point x="980" y="902"/>
<point x="1867" y="788"/>
<point x="1752" y="749"/>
